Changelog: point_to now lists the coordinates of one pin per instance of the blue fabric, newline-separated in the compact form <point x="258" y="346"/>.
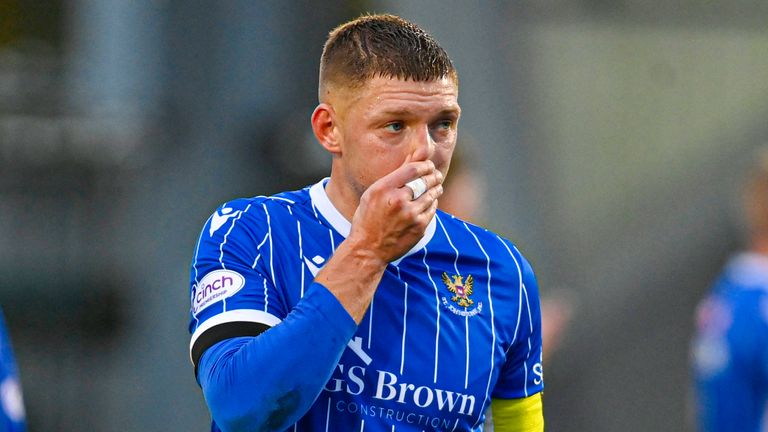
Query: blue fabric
<point x="11" y="405"/>
<point x="453" y="322"/>
<point x="288" y="365"/>
<point x="730" y="349"/>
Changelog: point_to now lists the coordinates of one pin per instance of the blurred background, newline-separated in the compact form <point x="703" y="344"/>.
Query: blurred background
<point x="611" y="136"/>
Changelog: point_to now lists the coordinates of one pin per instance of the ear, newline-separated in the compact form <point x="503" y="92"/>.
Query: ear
<point x="325" y="127"/>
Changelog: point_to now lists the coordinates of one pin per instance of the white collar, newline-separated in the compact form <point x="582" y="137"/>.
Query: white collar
<point x="326" y="208"/>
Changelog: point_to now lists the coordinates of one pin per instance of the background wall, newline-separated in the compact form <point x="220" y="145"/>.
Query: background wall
<point x="611" y="136"/>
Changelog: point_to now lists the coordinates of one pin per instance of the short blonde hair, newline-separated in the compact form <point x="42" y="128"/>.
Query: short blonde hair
<point x="381" y="46"/>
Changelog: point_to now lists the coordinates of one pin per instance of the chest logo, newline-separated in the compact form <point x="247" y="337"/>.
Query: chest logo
<point x="460" y="288"/>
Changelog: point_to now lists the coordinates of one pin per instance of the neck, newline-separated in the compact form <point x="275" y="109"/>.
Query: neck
<point x="342" y="196"/>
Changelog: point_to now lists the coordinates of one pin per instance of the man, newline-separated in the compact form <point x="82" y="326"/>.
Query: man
<point x="353" y="304"/>
<point x="730" y="349"/>
<point x="12" y="417"/>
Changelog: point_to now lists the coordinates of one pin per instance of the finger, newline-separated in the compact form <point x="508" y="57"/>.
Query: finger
<point x="417" y="187"/>
<point x="406" y="172"/>
<point x="428" y="199"/>
<point x="429" y="213"/>
<point x="433" y="179"/>
<point x="424" y="183"/>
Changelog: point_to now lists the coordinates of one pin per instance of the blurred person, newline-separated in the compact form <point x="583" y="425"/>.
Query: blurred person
<point x="464" y="191"/>
<point x="354" y="303"/>
<point x="730" y="347"/>
<point x="12" y="416"/>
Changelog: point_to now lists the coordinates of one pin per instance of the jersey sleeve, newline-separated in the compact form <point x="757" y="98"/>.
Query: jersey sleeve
<point x="522" y="374"/>
<point x="232" y="292"/>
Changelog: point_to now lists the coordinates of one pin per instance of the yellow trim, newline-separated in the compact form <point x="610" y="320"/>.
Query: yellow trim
<point x="518" y="415"/>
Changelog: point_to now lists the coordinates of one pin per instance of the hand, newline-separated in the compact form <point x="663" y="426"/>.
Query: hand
<point x="387" y="221"/>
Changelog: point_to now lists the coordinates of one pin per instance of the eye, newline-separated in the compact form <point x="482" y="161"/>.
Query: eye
<point x="394" y="127"/>
<point x="442" y="126"/>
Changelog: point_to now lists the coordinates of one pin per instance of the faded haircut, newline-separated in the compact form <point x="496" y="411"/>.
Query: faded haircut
<point x="381" y="46"/>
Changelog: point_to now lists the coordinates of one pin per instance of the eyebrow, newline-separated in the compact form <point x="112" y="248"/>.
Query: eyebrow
<point x="456" y="111"/>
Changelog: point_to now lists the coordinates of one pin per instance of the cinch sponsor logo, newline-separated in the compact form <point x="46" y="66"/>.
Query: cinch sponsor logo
<point x="215" y="286"/>
<point x="389" y="389"/>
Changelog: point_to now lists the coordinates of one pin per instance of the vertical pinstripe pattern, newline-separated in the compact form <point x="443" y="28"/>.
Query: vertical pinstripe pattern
<point x="271" y="255"/>
<point x="370" y="322"/>
<point x="231" y="227"/>
<point x="523" y="294"/>
<point x="437" y="310"/>
<point x="301" y="256"/>
<point x="314" y="210"/>
<point x="525" y="366"/>
<point x="438" y="257"/>
<point x="405" y="315"/>
<point x="330" y="231"/>
<point x="258" y="248"/>
<point x="525" y="380"/>
<point x="528" y="305"/>
<point x="221" y="248"/>
<point x="527" y="355"/>
<point x="328" y="415"/>
<point x="493" y="324"/>
<point x="455" y="251"/>
<point x="466" y="371"/>
<point x="466" y="318"/>
<point x="333" y="243"/>
<point x="520" y="292"/>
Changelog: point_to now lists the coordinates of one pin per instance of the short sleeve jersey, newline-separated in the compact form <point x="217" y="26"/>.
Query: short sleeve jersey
<point x="453" y="323"/>
<point x="730" y="349"/>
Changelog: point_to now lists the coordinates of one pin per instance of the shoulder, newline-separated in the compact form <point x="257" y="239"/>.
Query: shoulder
<point x="281" y="201"/>
<point x="254" y="212"/>
<point x="505" y="258"/>
<point x="500" y="247"/>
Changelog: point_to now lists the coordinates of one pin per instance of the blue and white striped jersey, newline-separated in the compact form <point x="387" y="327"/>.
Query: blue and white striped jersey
<point x="730" y="349"/>
<point x="453" y="323"/>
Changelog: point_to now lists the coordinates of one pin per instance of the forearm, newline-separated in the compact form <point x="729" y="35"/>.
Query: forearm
<point x="352" y="274"/>
<point x="270" y="381"/>
<point x="518" y="415"/>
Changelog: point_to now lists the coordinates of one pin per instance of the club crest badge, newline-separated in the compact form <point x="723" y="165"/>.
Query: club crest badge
<point x="461" y="288"/>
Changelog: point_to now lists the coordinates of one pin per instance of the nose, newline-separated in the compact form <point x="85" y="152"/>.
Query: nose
<point x="422" y="145"/>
